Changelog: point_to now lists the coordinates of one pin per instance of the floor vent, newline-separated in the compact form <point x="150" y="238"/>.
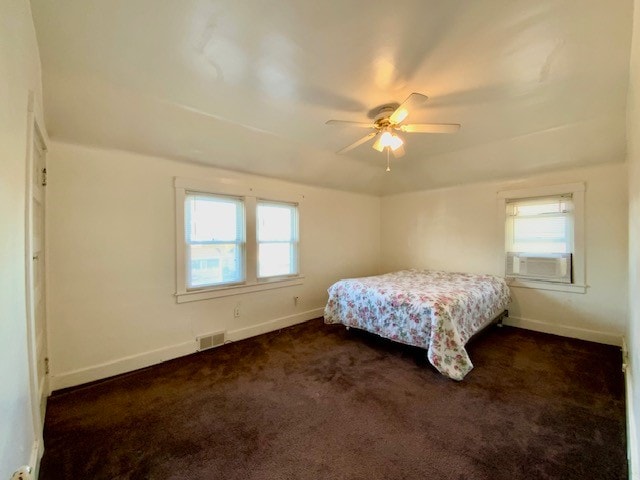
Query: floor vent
<point x="206" y="342"/>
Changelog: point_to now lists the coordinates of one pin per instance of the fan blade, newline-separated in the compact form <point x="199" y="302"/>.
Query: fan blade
<point x="378" y="144"/>
<point x="348" y="123"/>
<point x="413" y="101"/>
<point x="364" y="139"/>
<point x="430" y="128"/>
<point x="398" y="152"/>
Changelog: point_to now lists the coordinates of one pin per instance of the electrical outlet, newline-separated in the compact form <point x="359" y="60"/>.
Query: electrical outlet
<point x="23" y="474"/>
<point x="236" y="311"/>
<point x="295" y="301"/>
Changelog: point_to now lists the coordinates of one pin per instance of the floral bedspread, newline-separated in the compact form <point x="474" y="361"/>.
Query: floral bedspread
<point x="438" y="311"/>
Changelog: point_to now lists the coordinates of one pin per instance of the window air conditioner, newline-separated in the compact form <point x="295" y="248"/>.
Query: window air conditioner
<point x="548" y="267"/>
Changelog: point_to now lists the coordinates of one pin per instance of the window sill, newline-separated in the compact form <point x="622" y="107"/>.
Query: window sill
<point x="540" y="285"/>
<point x="184" y="297"/>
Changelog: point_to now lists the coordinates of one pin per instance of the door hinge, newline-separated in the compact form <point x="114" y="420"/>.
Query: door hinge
<point x="46" y="366"/>
<point x="44" y="177"/>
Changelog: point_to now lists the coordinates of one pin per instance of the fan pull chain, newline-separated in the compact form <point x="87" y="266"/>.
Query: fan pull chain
<point x="388" y="168"/>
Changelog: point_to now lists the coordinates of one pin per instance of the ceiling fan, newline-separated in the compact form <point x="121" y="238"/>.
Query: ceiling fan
<point x="387" y="120"/>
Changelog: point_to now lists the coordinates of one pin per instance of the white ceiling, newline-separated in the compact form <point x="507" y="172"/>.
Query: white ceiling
<point x="248" y="85"/>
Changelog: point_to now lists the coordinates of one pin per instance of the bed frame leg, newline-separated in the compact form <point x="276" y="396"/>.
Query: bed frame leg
<point x="502" y="316"/>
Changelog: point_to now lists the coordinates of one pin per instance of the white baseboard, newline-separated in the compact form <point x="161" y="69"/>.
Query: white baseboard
<point x="37" y="450"/>
<point x="565" y="330"/>
<point x="632" y="438"/>
<point x="146" y="359"/>
<point x="121" y="365"/>
<point x="270" y="326"/>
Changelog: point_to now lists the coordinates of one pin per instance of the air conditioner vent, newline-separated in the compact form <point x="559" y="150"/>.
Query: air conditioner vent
<point x="211" y="340"/>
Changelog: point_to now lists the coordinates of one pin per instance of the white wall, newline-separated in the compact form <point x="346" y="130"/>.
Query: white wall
<point x="111" y="227"/>
<point x="19" y="74"/>
<point x="633" y="159"/>
<point x="458" y="229"/>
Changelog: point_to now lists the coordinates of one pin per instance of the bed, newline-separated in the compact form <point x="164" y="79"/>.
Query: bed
<point x="437" y="311"/>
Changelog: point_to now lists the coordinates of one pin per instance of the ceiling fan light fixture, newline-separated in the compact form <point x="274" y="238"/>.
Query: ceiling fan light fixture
<point x="396" y="142"/>
<point x="399" y="152"/>
<point x="388" y="139"/>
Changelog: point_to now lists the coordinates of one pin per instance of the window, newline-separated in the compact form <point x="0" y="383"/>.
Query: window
<point x="232" y="239"/>
<point x="544" y="237"/>
<point x="277" y="239"/>
<point x="540" y="225"/>
<point x="214" y="237"/>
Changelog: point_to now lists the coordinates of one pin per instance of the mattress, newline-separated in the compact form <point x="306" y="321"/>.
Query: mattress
<point x="434" y="310"/>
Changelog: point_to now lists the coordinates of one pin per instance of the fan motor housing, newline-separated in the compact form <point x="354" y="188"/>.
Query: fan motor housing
<point x="382" y="111"/>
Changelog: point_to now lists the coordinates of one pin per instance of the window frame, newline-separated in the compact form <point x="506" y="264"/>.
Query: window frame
<point x="250" y="197"/>
<point x="577" y="191"/>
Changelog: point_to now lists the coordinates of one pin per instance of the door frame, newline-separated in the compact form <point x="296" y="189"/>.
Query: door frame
<point x="38" y="392"/>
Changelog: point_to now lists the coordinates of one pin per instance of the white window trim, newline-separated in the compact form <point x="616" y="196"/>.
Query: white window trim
<point x="577" y="191"/>
<point x="250" y="195"/>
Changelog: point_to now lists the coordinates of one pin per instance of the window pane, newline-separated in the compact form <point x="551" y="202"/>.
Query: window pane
<point x="213" y="219"/>
<point x="276" y="259"/>
<point x="540" y="228"/>
<point x="543" y="234"/>
<point x="214" y="264"/>
<point x="276" y="222"/>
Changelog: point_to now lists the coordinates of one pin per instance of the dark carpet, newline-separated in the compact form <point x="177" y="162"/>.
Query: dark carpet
<point x="317" y="402"/>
